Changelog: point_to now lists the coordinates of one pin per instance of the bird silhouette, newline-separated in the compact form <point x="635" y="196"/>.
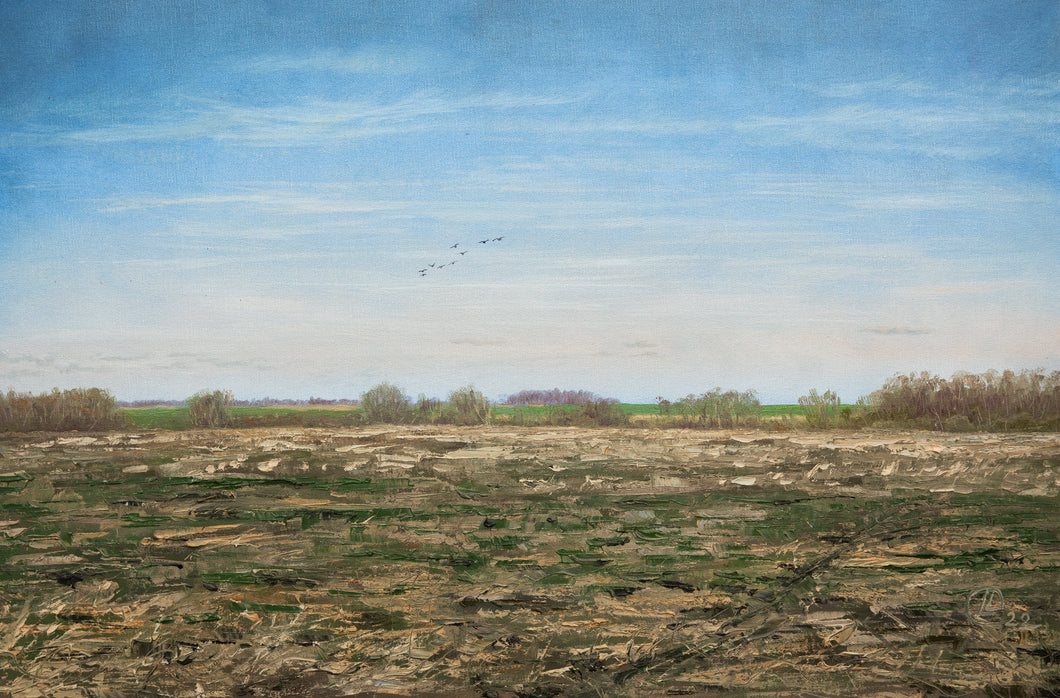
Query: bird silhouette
<point x="460" y="253"/>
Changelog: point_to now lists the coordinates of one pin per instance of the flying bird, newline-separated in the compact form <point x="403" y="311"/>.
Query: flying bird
<point x="497" y="239"/>
<point x="464" y="252"/>
<point x="454" y="245"/>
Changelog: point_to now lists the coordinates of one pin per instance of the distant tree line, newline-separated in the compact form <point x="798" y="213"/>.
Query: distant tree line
<point x="150" y="403"/>
<point x="555" y="396"/>
<point x="386" y="403"/>
<point x="286" y="402"/>
<point x="326" y="401"/>
<point x="259" y="402"/>
<point x="990" y="401"/>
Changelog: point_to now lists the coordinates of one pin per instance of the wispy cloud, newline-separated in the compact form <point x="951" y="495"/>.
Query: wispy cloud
<point x="479" y="342"/>
<point x="956" y="131"/>
<point x="29" y="365"/>
<point x="871" y="193"/>
<point x="1026" y="87"/>
<point x="885" y="117"/>
<point x="893" y="85"/>
<point x="643" y="348"/>
<point x="882" y="118"/>
<point x="291" y="123"/>
<point x="362" y="62"/>
<point x="273" y="201"/>
<point x="969" y="289"/>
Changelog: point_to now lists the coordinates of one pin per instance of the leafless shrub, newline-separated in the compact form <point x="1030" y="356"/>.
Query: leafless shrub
<point x="721" y="409"/>
<point x="465" y="406"/>
<point x="469" y="406"/>
<point x="821" y="410"/>
<point x="601" y="413"/>
<point x="80" y="409"/>
<point x="386" y="403"/>
<point x="987" y="401"/>
<point x="211" y="409"/>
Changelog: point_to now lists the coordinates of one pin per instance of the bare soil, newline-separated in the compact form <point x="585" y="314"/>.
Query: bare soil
<point x="454" y="561"/>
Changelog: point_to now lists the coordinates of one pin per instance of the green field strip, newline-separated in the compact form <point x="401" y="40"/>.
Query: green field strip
<point x="178" y="418"/>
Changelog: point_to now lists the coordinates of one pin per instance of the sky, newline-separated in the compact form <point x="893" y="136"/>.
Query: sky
<point x="675" y="196"/>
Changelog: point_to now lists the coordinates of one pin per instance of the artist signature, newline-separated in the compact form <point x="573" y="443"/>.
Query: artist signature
<point x="986" y="606"/>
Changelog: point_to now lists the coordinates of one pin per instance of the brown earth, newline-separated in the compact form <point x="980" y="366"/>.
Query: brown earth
<point x="528" y="562"/>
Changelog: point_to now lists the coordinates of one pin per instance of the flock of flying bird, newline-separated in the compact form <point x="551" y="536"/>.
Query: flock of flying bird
<point x="434" y="266"/>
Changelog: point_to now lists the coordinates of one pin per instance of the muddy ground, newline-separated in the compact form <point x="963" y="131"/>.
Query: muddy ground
<point x="529" y="562"/>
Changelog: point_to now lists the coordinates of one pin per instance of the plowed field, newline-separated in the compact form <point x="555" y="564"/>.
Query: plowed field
<point x="529" y="562"/>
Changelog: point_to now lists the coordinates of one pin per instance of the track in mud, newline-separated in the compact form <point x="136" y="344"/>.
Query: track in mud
<point x="532" y="562"/>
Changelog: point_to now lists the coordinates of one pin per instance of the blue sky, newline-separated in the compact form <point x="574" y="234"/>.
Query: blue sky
<point x="768" y="195"/>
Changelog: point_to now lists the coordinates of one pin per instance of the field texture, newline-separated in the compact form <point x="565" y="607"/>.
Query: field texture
<point x="529" y="562"/>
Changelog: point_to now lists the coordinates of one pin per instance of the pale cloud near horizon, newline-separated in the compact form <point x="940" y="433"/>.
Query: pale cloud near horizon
<point x="898" y="331"/>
